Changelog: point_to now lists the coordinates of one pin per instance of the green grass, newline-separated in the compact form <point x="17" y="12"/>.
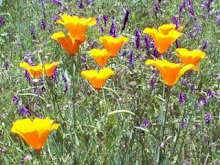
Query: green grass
<point x="89" y="132"/>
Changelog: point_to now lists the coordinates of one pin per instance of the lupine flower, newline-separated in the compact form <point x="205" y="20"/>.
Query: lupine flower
<point x="97" y="78"/>
<point x="205" y="45"/>
<point x="54" y="76"/>
<point x="125" y="19"/>
<point x="113" y="45"/>
<point x="191" y="11"/>
<point x="208" y="118"/>
<point x="138" y="38"/>
<point x="6" y="64"/>
<point x="69" y="44"/>
<point x="124" y="53"/>
<point x="36" y="71"/>
<point x="218" y="20"/>
<point x="33" y="33"/>
<point x="155" y="52"/>
<point x="57" y="2"/>
<point x="100" y="56"/>
<point x="190" y="57"/>
<point x="147" y="42"/>
<point x="184" y="82"/>
<point x="204" y="101"/>
<point x="153" y="80"/>
<point x="182" y="6"/>
<point x="181" y="98"/>
<point x="76" y="26"/>
<point x="164" y="37"/>
<point x="113" y="29"/>
<point x="35" y="132"/>
<point x="170" y="72"/>
<point x="55" y="18"/>
<point x="15" y="99"/>
<point x="146" y="123"/>
<point x="43" y="24"/>
<point x="184" y="123"/>
<point x="24" y="111"/>
<point x="156" y="7"/>
<point x="105" y="18"/>
<point x="131" y="59"/>
<point x="175" y="21"/>
<point x="210" y="93"/>
<point x="1" y="21"/>
<point x="80" y="4"/>
<point x="197" y="105"/>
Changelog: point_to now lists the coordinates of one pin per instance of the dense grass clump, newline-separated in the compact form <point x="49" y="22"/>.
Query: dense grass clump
<point x="128" y="114"/>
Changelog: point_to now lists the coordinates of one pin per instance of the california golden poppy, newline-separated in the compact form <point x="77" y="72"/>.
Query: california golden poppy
<point x="169" y="71"/>
<point x="190" y="57"/>
<point x="113" y="45"/>
<point x="35" y="132"/>
<point x="164" y="37"/>
<point x="75" y="25"/>
<point x="36" y="71"/>
<point x="100" y="56"/>
<point x="69" y="44"/>
<point x="97" y="79"/>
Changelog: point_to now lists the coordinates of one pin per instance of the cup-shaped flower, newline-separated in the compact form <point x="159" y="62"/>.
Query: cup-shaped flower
<point x="170" y="72"/>
<point x="76" y="26"/>
<point x="36" y="71"/>
<point x="35" y="132"/>
<point x="190" y="57"/>
<point x="97" y="78"/>
<point x="112" y="44"/>
<point x="164" y="37"/>
<point x="101" y="56"/>
<point x="69" y="44"/>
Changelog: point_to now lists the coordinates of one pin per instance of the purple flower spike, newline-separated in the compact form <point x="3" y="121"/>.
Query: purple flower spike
<point x="146" y="123"/>
<point x="138" y="38"/>
<point x="131" y="59"/>
<point x="105" y="18"/>
<point x="184" y="123"/>
<point x="147" y="42"/>
<point x="33" y="33"/>
<point x="24" y="111"/>
<point x="217" y="20"/>
<point x="57" y="2"/>
<point x="27" y="76"/>
<point x="156" y="54"/>
<point x="124" y="53"/>
<point x="204" y="101"/>
<point x="6" y="64"/>
<point x="175" y="21"/>
<point x="15" y="99"/>
<point x="197" y="105"/>
<point x="1" y="21"/>
<point x="125" y="20"/>
<point x="55" y="75"/>
<point x="208" y="118"/>
<point x="182" y="98"/>
<point x="113" y="29"/>
<point x="205" y="45"/>
<point x="55" y="18"/>
<point x="153" y="80"/>
<point x="43" y="24"/>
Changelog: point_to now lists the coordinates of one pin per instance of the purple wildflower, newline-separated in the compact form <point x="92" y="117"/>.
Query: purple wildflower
<point x="102" y="29"/>
<point x="97" y="19"/>
<point x="24" y="111"/>
<point x="156" y="7"/>
<point x="184" y="82"/>
<point x="147" y="42"/>
<point x="57" y="2"/>
<point x="146" y="123"/>
<point x="155" y="53"/>
<point x="27" y="76"/>
<point x="43" y="24"/>
<point x="204" y="101"/>
<point x="113" y="29"/>
<point x="208" y="118"/>
<point x="125" y="19"/>
<point x="55" y="18"/>
<point x="33" y="33"/>
<point x="93" y="44"/>
<point x="138" y="38"/>
<point x="27" y="158"/>
<point x="131" y="59"/>
<point x="218" y="20"/>
<point x="191" y="11"/>
<point x="198" y="27"/>
<point x="124" y="53"/>
<point x="3" y="150"/>
<point x="197" y="126"/>
<point x="175" y="21"/>
<point x="182" y="98"/>
<point x="205" y="45"/>
<point x="1" y="21"/>
<point x="64" y="78"/>
<point x="153" y="80"/>
<point x="55" y="75"/>
<point x="197" y="105"/>
<point x="184" y="123"/>
<point x="210" y="93"/>
<point x="105" y="18"/>
<point x="15" y="99"/>
<point x="6" y="64"/>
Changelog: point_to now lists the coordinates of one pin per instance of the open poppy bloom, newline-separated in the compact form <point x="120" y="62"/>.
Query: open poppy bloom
<point x="35" y="132"/>
<point x="164" y="37"/>
<point x="69" y="44"/>
<point x="97" y="79"/>
<point x="76" y="26"/>
<point x="112" y="44"/>
<point x="190" y="57"/>
<point x="36" y="71"/>
<point x="101" y="56"/>
<point x="170" y="72"/>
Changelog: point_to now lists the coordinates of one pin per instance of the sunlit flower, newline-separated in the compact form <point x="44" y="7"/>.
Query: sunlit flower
<point x="36" y="71"/>
<point x="34" y="132"/>
<point x="97" y="78"/>
<point x="75" y="25"/>
<point x="164" y="37"/>
<point x="101" y="56"/>
<point x="69" y="44"/>
<point x="190" y="57"/>
<point x="170" y="72"/>
<point x="112" y="44"/>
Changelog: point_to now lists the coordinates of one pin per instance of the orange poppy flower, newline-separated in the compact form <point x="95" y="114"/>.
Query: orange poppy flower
<point x="97" y="79"/>
<point x="34" y="132"/>
<point x="169" y="71"/>
<point x="190" y="57"/>
<point x="100" y="56"/>
<point x="75" y="25"/>
<point x="113" y="45"/>
<point x="36" y="71"/>
<point x="69" y="44"/>
<point x="164" y="37"/>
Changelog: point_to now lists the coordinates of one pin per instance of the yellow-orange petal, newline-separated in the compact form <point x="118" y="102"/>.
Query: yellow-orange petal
<point x="50" y="68"/>
<point x="101" y="56"/>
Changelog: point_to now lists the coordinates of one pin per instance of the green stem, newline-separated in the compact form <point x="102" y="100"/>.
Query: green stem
<point x="163" y="126"/>
<point x="39" y="156"/>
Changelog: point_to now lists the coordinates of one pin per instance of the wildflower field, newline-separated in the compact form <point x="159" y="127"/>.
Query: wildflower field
<point x="114" y="82"/>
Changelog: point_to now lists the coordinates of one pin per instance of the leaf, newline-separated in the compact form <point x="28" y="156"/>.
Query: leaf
<point x="120" y="111"/>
